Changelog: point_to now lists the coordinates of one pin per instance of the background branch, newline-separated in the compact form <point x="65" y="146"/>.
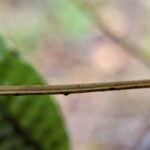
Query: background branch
<point x="127" y="45"/>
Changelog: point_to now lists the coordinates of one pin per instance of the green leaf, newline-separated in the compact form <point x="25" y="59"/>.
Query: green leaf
<point x="27" y="122"/>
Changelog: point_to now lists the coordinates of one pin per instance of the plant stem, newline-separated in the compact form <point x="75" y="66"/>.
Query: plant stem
<point x="72" y="88"/>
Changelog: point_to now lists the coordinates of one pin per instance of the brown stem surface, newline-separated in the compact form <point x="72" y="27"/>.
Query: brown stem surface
<point x="72" y="88"/>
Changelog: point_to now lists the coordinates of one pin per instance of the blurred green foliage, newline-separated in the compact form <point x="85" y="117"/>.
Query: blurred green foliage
<point x="27" y="122"/>
<point x="74" y="22"/>
<point x="27" y="35"/>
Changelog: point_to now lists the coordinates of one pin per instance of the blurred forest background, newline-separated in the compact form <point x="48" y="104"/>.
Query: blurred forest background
<point x="74" y="41"/>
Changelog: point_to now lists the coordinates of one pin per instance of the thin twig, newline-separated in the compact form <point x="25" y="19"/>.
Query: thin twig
<point x="72" y="88"/>
<point x="129" y="47"/>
